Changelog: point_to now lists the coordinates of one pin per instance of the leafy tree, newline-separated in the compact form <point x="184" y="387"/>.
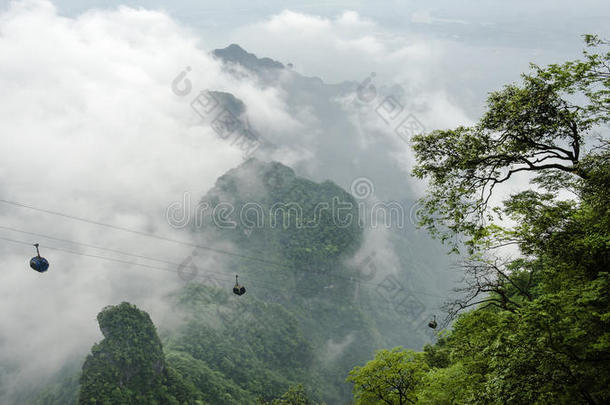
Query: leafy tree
<point x="533" y="127"/>
<point x="449" y="385"/>
<point x="391" y="377"/>
<point x="538" y="329"/>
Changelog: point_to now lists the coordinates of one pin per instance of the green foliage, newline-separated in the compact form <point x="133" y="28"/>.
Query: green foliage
<point x="65" y="391"/>
<point x="295" y="395"/>
<point x="274" y="342"/>
<point x="214" y="386"/>
<point x="235" y="349"/>
<point x="128" y="366"/>
<point x="531" y="127"/>
<point x="540" y="330"/>
<point x="450" y="385"/>
<point x="392" y="377"/>
<point x="273" y="210"/>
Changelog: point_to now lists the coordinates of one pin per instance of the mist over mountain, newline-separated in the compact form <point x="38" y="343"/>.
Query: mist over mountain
<point x="355" y="140"/>
<point x="168" y="157"/>
<point x="312" y="142"/>
<point x="236" y="54"/>
<point x="310" y="314"/>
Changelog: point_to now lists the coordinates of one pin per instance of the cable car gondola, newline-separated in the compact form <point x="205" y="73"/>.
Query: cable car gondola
<point x="39" y="263"/>
<point x="238" y="289"/>
<point x="432" y="324"/>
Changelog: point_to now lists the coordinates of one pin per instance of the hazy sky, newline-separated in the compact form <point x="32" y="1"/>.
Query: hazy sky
<point x="482" y="44"/>
<point x="89" y="125"/>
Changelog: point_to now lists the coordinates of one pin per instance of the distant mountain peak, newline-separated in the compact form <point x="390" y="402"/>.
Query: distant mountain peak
<point x="236" y="47"/>
<point x="236" y="54"/>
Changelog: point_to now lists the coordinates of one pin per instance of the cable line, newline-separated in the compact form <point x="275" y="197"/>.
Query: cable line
<point x="89" y="245"/>
<point x="177" y="265"/>
<point x="259" y="284"/>
<point x="141" y="233"/>
<point x="285" y="276"/>
<point x="123" y="261"/>
<point x="254" y="281"/>
<point x="167" y="239"/>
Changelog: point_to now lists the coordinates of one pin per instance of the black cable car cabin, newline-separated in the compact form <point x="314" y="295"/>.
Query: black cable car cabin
<point x="39" y="263"/>
<point x="238" y="289"/>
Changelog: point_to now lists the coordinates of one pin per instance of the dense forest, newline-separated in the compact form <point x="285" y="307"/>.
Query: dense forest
<point x="539" y="328"/>
<point x="531" y="322"/>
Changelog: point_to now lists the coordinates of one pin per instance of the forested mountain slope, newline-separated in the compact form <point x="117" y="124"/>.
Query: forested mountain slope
<point x="308" y="317"/>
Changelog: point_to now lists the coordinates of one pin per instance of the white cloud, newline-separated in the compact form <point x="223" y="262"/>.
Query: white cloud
<point x="89" y="126"/>
<point x="425" y="17"/>
<point x="346" y="47"/>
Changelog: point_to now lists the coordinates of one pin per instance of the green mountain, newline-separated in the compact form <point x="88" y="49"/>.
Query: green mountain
<point x="128" y="366"/>
<point x="308" y="317"/>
